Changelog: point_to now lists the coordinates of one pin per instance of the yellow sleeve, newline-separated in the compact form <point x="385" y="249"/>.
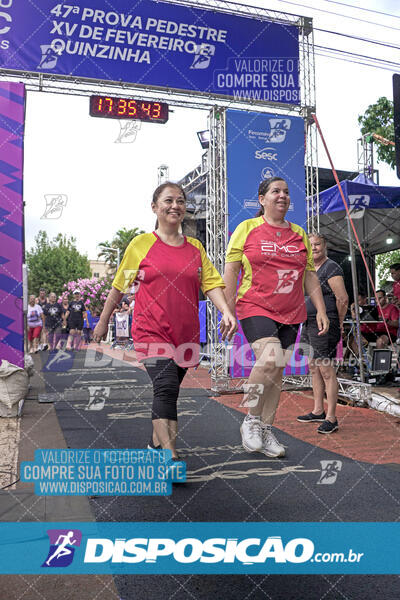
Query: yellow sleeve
<point x="310" y="260"/>
<point x="129" y="269"/>
<point x="234" y="252"/>
<point x="210" y="278"/>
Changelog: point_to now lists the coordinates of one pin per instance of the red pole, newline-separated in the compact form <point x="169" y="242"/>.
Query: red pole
<point x="351" y="224"/>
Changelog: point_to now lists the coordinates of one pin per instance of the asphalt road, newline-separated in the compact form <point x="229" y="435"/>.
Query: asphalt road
<point x="224" y="483"/>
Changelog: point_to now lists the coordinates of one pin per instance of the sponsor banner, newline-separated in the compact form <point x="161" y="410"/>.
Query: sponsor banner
<point x="153" y="43"/>
<point x="199" y="548"/>
<point x="12" y="120"/>
<point x="260" y="146"/>
<point x="122" y="324"/>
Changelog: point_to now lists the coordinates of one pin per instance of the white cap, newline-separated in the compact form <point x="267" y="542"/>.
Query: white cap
<point x="76" y="292"/>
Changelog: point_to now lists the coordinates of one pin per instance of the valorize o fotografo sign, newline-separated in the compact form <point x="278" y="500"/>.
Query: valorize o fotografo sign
<point x="153" y="43"/>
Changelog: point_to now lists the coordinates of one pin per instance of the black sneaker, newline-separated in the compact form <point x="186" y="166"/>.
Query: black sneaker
<point x="310" y="418"/>
<point x="328" y="427"/>
<point x="151" y="446"/>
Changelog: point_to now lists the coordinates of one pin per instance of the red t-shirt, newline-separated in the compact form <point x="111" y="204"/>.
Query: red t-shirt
<point x="390" y="313"/>
<point x="396" y="289"/>
<point x="167" y="281"/>
<point x="274" y="261"/>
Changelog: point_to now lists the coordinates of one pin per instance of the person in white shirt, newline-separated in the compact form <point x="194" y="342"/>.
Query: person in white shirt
<point x="35" y="320"/>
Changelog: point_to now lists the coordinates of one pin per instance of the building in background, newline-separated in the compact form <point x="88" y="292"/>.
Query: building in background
<point x="99" y="268"/>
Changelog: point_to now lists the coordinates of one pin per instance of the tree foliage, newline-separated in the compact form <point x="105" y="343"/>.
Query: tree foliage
<point x="120" y="241"/>
<point x="379" y="118"/>
<point x="51" y="263"/>
<point x="382" y="264"/>
<point x="94" y="292"/>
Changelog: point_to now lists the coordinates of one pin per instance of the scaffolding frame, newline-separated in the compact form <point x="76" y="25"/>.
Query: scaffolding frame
<point x="216" y="237"/>
<point x="365" y="157"/>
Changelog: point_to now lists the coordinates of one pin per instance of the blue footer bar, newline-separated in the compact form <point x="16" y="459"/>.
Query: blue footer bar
<point x="199" y="548"/>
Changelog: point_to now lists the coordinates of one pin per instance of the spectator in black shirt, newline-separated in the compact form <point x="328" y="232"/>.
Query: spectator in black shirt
<point x="323" y="347"/>
<point x="42" y="300"/>
<point x="75" y="316"/>
<point x="53" y="320"/>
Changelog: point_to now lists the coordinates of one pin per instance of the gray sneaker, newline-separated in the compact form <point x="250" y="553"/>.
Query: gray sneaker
<point x="251" y="434"/>
<point x="271" y="446"/>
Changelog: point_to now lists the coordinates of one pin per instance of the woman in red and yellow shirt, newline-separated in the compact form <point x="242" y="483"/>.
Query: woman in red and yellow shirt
<point x="275" y="261"/>
<point x="168" y="270"/>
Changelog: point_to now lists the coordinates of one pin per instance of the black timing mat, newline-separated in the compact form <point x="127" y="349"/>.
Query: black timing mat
<point x="224" y="483"/>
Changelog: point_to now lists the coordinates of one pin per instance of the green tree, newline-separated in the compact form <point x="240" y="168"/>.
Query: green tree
<point x="379" y="118"/>
<point x="51" y="263"/>
<point x="120" y="241"/>
<point x="382" y="264"/>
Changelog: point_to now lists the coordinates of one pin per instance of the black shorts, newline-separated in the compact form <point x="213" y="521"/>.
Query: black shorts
<point x="255" y="328"/>
<point x="76" y="324"/>
<point x="323" y="346"/>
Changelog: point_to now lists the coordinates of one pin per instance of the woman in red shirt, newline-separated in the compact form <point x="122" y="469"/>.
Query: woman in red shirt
<point x="168" y="269"/>
<point x="390" y="314"/>
<point x="276" y="265"/>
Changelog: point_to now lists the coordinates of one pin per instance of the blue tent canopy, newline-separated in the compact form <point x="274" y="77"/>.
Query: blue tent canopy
<point x="375" y="210"/>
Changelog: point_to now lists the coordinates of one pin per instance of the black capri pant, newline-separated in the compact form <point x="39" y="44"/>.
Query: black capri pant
<point x="166" y="377"/>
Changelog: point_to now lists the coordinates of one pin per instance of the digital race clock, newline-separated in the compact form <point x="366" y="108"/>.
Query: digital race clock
<point x="128" y="108"/>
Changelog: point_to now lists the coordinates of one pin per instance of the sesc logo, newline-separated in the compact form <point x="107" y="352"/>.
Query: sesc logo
<point x="191" y="550"/>
<point x="266" y="154"/>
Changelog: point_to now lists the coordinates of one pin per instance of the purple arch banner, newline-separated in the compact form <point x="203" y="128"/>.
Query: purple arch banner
<point x="153" y="43"/>
<point x="12" y="117"/>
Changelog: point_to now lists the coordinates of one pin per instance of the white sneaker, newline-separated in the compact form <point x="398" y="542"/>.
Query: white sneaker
<point x="270" y="445"/>
<point x="251" y="434"/>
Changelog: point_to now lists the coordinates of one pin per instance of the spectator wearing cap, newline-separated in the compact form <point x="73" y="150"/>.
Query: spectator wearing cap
<point x="75" y="316"/>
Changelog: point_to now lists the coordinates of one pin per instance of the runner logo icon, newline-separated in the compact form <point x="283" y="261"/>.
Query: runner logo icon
<point x="287" y="279"/>
<point x="329" y="471"/>
<point x="357" y="205"/>
<point x="50" y="55"/>
<point x="55" y="203"/>
<point x="279" y="129"/>
<point x="203" y="55"/>
<point x="127" y="131"/>
<point x="98" y="396"/>
<point x="62" y="547"/>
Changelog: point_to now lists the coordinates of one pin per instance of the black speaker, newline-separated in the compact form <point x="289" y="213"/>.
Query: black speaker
<point x="381" y="361"/>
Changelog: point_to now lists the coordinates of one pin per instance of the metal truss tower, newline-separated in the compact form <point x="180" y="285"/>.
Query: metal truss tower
<point x="365" y="157"/>
<point x="307" y="79"/>
<point x="216" y="236"/>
